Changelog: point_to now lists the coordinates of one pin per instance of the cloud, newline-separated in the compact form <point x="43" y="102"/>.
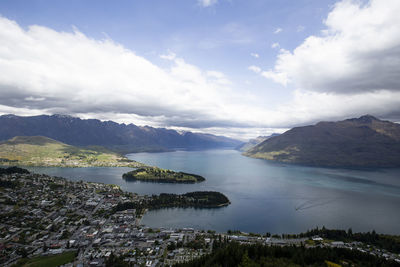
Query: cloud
<point x="350" y="69"/>
<point x="31" y="98"/>
<point x="255" y="69"/>
<point x="347" y="71"/>
<point x="218" y="77"/>
<point x="275" y="45"/>
<point x="358" y="51"/>
<point x="276" y="77"/>
<point x="169" y="56"/>
<point x="70" y="73"/>
<point x="238" y="133"/>
<point x="277" y="30"/>
<point x="207" y="3"/>
<point x="316" y="106"/>
<point x="255" y="55"/>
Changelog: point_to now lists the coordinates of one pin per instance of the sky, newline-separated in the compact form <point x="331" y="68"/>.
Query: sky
<point x="239" y="68"/>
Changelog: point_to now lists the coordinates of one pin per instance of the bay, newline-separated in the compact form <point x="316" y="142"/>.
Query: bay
<point x="265" y="196"/>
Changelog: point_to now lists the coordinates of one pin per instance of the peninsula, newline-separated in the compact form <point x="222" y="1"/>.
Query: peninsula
<point x="157" y="175"/>
<point x="47" y="152"/>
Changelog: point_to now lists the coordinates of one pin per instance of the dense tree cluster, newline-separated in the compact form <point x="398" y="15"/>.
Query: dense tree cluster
<point x="13" y="170"/>
<point x="388" y="242"/>
<point x="153" y="174"/>
<point x="199" y="199"/>
<point x="115" y="261"/>
<point x="234" y="254"/>
<point x="8" y="184"/>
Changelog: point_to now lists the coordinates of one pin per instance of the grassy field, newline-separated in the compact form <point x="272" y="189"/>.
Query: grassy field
<point x="48" y="261"/>
<point x="43" y="151"/>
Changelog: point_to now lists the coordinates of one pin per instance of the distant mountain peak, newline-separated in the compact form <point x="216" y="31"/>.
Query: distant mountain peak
<point x="365" y="119"/>
<point x="9" y="116"/>
<point x="63" y="116"/>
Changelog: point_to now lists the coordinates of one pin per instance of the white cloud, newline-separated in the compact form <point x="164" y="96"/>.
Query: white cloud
<point x="255" y="69"/>
<point x="218" y="77"/>
<point x="238" y="133"/>
<point x="31" y="98"/>
<point x="255" y="55"/>
<point x="351" y="69"/>
<point x="45" y="71"/>
<point x="275" y="45"/>
<point x="70" y="73"/>
<point x="169" y="56"/>
<point x="278" y="77"/>
<point x="358" y="51"/>
<point x="207" y="3"/>
<point x="277" y="30"/>
<point x="316" y="106"/>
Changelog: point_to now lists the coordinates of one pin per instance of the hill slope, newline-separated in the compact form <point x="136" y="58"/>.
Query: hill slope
<point x="121" y="137"/>
<point x="361" y="142"/>
<point x="253" y="142"/>
<point x="43" y="151"/>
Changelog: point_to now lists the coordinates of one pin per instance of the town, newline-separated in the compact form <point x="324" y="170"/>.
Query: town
<point x="78" y="224"/>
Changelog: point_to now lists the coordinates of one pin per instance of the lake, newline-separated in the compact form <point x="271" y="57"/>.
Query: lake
<point x="265" y="196"/>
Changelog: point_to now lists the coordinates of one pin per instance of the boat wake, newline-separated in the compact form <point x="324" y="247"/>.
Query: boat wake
<point x="315" y="202"/>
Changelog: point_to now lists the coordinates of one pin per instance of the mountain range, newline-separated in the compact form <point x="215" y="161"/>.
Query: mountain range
<point x="359" y="142"/>
<point x="123" y="138"/>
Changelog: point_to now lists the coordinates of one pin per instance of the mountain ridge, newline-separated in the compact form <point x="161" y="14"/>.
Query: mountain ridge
<point x="124" y="138"/>
<point x="358" y="142"/>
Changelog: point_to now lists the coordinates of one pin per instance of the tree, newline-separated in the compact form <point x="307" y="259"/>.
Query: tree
<point x="23" y="252"/>
<point x="350" y="232"/>
<point x="171" y="246"/>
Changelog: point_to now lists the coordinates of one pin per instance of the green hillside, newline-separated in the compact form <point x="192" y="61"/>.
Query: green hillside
<point x="43" y="151"/>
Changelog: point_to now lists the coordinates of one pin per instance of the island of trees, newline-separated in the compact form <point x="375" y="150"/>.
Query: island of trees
<point x="157" y="175"/>
<point x="198" y="199"/>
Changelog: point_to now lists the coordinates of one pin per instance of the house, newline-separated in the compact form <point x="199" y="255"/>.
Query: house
<point x="337" y="243"/>
<point x="317" y="238"/>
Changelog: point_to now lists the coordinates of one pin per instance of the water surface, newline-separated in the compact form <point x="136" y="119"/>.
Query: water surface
<point x="265" y="196"/>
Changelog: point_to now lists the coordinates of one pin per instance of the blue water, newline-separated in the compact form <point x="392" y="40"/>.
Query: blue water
<point x="265" y="196"/>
